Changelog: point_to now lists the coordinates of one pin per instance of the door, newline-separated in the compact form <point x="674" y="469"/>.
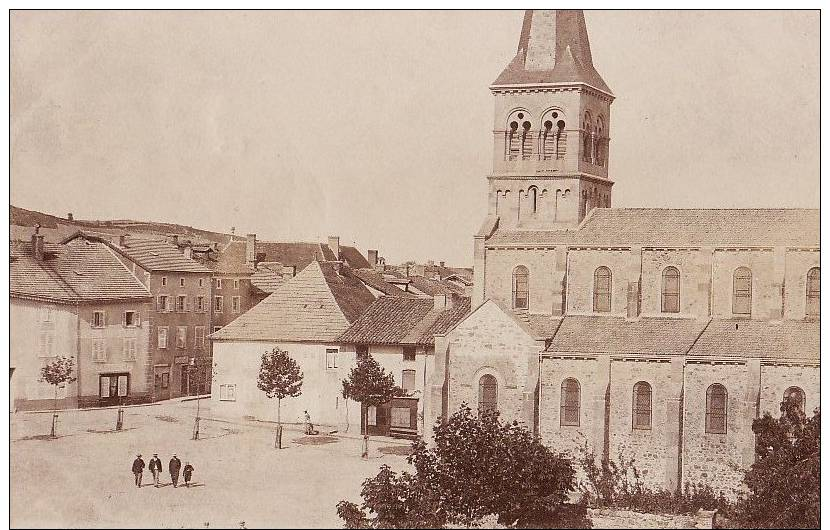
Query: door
<point x="376" y="420"/>
<point x="113" y="389"/>
<point x="403" y="417"/>
<point x="161" y="384"/>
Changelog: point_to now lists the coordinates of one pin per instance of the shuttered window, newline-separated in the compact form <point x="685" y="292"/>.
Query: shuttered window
<point x="813" y="292"/>
<point x="602" y="290"/>
<point x="671" y="291"/>
<point x="641" y="414"/>
<point x="569" y="403"/>
<point x="716" y="401"/>
<point x="742" y="291"/>
<point x="521" y="290"/>
<point x="488" y="394"/>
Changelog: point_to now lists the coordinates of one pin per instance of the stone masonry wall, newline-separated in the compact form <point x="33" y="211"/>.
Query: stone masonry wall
<point x="766" y="299"/>
<point x="541" y="265"/>
<point x="581" y="267"/>
<point x="775" y="379"/>
<point x="797" y="264"/>
<point x="695" y="269"/>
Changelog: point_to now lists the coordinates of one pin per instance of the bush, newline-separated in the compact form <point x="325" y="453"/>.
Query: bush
<point x="479" y="467"/>
<point x="784" y="481"/>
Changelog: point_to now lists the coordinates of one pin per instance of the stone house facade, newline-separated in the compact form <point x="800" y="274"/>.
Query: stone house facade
<point x="652" y="334"/>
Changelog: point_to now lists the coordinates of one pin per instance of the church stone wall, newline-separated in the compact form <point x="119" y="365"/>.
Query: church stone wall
<point x="718" y="459"/>
<point x="797" y="264"/>
<point x="580" y="284"/>
<point x="695" y="271"/>
<point x="541" y="265"/>
<point x="490" y="342"/>
<point x="775" y="379"/>
<point x="766" y="298"/>
<point x="648" y="447"/>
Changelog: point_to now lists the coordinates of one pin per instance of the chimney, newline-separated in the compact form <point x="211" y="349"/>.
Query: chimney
<point x="441" y="264"/>
<point x="188" y="252"/>
<point x="233" y="230"/>
<point x="334" y="245"/>
<point x="37" y="243"/>
<point x="173" y="239"/>
<point x="440" y="302"/>
<point x="250" y="249"/>
<point x="122" y="241"/>
<point x="69" y="217"/>
<point x="373" y="258"/>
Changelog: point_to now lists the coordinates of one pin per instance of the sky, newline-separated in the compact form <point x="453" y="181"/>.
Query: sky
<point x="377" y="126"/>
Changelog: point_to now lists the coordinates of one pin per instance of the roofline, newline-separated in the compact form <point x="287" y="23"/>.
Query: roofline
<point x="143" y="265"/>
<point x="80" y="301"/>
<point x="531" y="86"/>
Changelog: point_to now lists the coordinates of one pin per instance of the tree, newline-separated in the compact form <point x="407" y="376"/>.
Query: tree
<point x="279" y="377"/>
<point x="479" y="467"/>
<point x="784" y="481"/>
<point x="370" y="385"/>
<point x="57" y="373"/>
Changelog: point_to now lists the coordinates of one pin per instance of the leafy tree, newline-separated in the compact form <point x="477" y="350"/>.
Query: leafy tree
<point x="279" y="377"/>
<point x="784" y="480"/>
<point x="479" y="467"/>
<point x="58" y="373"/>
<point x="370" y="385"/>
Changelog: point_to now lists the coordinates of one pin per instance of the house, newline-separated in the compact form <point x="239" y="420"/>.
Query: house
<point x="646" y="333"/>
<point x="77" y="300"/>
<point x="399" y="333"/>
<point x="305" y="316"/>
<point x="181" y="316"/>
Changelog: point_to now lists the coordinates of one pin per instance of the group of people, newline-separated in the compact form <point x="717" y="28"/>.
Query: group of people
<point x="174" y="466"/>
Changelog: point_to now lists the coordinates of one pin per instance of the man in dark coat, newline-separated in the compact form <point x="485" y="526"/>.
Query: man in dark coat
<point x="138" y="469"/>
<point x="173" y="467"/>
<point x="155" y="468"/>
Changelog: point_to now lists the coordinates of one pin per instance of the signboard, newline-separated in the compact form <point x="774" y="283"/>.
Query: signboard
<point x="181" y="359"/>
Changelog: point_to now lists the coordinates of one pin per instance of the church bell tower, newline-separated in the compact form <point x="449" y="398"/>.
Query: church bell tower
<point x="551" y="128"/>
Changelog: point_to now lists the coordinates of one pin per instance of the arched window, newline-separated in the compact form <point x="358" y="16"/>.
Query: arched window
<point x="527" y="141"/>
<point x="813" y="292"/>
<point x="742" y="291"/>
<point x="513" y="141"/>
<point x="716" y="400"/>
<point x="670" y="291"/>
<point x="533" y="199"/>
<point x="488" y="394"/>
<point x="602" y="290"/>
<point x="587" y="138"/>
<point x="553" y="136"/>
<point x="641" y="406"/>
<point x="796" y="395"/>
<point x="599" y="130"/>
<point x="569" y="403"/>
<point x="521" y="292"/>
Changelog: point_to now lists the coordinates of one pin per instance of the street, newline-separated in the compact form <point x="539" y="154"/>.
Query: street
<point x="83" y="478"/>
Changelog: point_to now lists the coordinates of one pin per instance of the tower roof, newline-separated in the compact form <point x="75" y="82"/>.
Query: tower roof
<point x="553" y="48"/>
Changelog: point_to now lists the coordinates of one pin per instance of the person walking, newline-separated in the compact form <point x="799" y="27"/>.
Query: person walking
<point x="155" y="468"/>
<point x="138" y="469"/>
<point x="308" y="427"/>
<point x="188" y="473"/>
<point x="173" y="467"/>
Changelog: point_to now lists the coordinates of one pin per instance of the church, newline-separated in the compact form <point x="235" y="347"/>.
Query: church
<point x="645" y="333"/>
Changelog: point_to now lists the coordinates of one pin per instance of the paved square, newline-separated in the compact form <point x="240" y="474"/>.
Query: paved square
<point x="83" y="478"/>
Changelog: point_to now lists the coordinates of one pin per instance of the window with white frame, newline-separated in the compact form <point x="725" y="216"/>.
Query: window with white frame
<point x="47" y="342"/>
<point x="201" y="282"/>
<point x="131" y="319"/>
<point x="236" y="304"/>
<point x="162" y="336"/>
<point x="218" y="283"/>
<point x="163" y="303"/>
<point x="46" y="313"/>
<point x="199" y="337"/>
<point x="409" y="353"/>
<point x="200" y="304"/>
<point x="98" y="319"/>
<point x="130" y="347"/>
<point x="236" y="284"/>
<point x="372" y="416"/>
<point x="227" y="392"/>
<point x="164" y="281"/>
<point x="331" y="358"/>
<point x="181" y="303"/>
<point x="181" y="282"/>
<point x="218" y="304"/>
<point x="181" y="337"/>
<point x="99" y="351"/>
<point x="408" y="380"/>
<point x="113" y="385"/>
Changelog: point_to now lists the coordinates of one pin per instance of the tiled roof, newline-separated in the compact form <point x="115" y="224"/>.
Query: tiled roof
<point x="317" y="305"/>
<point x="396" y="320"/>
<point x="658" y="227"/>
<point x="300" y="254"/>
<point x="267" y="280"/>
<point x="80" y="271"/>
<point x="603" y="334"/>
<point x="376" y="281"/>
<point x="787" y="339"/>
<point x="158" y="255"/>
<point x="231" y="259"/>
<point x="432" y="287"/>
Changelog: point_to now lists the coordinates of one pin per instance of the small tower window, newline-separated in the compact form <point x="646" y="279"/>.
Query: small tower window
<point x="521" y="292"/>
<point x="742" y="292"/>
<point x="602" y="290"/>
<point x="513" y="141"/>
<point x="587" y="139"/>
<point x="813" y="292"/>
<point x="671" y="291"/>
<point x="533" y="197"/>
<point x="527" y="141"/>
<point x="598" y="142"/>
<point x="552" y="137"/>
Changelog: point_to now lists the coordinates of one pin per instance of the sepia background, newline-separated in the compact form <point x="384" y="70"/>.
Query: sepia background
<point x="265" y="121"/>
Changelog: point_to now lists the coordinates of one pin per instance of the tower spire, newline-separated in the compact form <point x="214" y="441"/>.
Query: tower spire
<point x="553" y="49"/>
